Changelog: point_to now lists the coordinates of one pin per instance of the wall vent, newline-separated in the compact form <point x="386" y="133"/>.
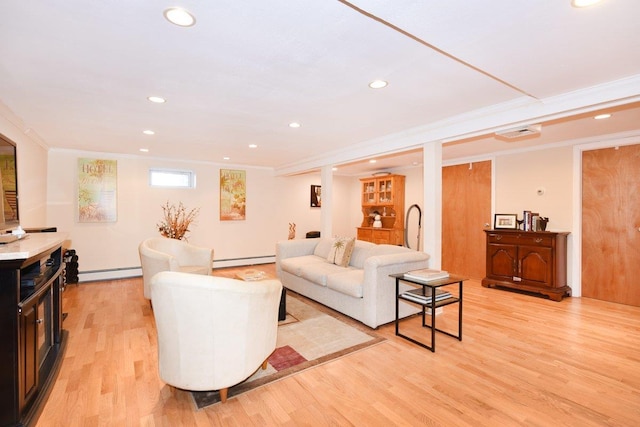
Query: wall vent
<point x="520" y="131"/>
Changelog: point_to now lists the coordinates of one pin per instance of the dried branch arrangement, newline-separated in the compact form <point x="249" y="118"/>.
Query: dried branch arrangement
<point x="176" y="220"/>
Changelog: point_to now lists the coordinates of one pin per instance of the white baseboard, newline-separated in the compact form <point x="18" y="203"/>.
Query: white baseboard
<point x="118" y="273"/>
<point x="239" y="262"/>
<point x="125" y="273"/>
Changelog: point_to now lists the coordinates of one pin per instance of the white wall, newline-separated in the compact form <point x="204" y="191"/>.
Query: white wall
<point x="32" y="171"/>
<point x="347" y="214"/>
<point x="272" y="203"/>
<point x="519" y="176"/>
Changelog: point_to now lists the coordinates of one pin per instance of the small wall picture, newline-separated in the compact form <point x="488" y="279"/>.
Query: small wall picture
<point x="316" y="196"/>
<point x="505" y="221"/>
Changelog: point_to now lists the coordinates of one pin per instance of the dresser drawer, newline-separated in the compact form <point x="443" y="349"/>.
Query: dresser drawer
<point x="381" y="236"/>
<point x="523" y="238"/>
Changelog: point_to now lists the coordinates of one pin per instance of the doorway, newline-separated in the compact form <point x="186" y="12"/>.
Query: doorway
<point x="466" y="213"/>
<point x="611" y="224"/>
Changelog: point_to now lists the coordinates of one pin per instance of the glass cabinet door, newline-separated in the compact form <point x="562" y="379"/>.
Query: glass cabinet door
<point x="368" y="192"/>
<point x="385" y="190"/>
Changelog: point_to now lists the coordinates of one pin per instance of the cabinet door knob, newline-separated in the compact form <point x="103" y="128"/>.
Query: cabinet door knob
<point x="39" y="321"/>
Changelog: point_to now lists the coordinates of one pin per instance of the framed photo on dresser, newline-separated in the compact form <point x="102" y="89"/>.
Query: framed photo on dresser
<point x="505" y="221"/>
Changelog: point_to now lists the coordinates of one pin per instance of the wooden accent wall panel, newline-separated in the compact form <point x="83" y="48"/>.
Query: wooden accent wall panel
<point x="611" y="224"/>
<point x="466" y="207"/>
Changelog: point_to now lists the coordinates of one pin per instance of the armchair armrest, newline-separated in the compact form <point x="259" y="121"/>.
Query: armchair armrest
<point x="195" y="255"/>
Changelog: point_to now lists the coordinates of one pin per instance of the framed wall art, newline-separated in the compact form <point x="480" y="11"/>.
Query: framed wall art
<point x="233" y="195"/>
<point x="505" y="221"/>
<point x="97" y="190"/>
<point x="316" y="196"/>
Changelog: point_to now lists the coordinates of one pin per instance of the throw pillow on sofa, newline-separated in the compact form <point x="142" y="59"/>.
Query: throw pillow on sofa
<point x="341" y="250"/>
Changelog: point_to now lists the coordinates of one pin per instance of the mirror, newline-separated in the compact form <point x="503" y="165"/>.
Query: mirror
<point x="9" y="217"/>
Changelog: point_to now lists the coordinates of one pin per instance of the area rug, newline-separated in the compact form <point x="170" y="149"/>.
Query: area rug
<point x="308" y="337"/>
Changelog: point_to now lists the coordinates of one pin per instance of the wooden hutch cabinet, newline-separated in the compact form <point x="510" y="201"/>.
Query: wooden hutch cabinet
<point x="383" y="195"/>
<point x="533" y="261"/>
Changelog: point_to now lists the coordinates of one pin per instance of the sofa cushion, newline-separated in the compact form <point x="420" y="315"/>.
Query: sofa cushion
<point x="341" y="250"/>
<point x="347" y="282"/>
<point x="295" y="265"/>
<point x="318" y="272"/>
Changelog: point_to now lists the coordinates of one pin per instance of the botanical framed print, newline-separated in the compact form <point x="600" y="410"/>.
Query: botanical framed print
<point x="97" y="190"/>
<point x="505" y="221"/>
<point x="316" y="196"/>
<point x="233" y="195"/>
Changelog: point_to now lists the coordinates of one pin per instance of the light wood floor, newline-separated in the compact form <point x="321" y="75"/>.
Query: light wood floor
<point x="522" y="361"/>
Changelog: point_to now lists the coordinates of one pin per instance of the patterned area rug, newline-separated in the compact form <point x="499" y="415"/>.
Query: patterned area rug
<point x="308" y="337"/>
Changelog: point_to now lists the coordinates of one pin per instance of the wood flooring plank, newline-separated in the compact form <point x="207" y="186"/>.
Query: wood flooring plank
<point x="523" y="360"/>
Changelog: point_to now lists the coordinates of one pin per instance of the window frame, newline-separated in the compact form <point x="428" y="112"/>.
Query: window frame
<point x="181" y="173"/>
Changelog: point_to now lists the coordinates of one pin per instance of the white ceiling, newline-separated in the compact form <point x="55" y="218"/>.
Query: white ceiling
<point x="77" y="74"/>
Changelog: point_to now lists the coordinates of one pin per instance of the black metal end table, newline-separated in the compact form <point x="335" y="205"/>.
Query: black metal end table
<point x="429" y="298"/>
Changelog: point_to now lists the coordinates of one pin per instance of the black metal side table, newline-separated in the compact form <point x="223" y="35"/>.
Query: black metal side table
<point x="429" y="298"/>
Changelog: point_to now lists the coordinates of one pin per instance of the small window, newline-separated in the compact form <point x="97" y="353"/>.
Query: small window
<point x="171" y="178"/>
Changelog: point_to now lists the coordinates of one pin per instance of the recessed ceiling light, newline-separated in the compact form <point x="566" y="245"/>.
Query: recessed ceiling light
<point x="378" y="84"/>
<point x="294" y="125"/>
<point x="144" y="150"/>
<point x="157" y="99"/>
<point x="226" y="158"/>
<point x="372" y="161"/>
<point x="583" y="3"/>
<point x="602" y="116"/>
<point x="179" y="16"/>
<point x="334" y="168"/>
<point x="253" y="146"/>
<point x="148" y="132"/>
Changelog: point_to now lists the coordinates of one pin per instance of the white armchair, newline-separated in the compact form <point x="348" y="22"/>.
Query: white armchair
<point x="163" y="254"/>
<point x="213" y="332"/>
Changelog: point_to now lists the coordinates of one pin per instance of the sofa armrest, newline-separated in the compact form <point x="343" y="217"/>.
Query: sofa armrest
<point x="398" y="259"/>
<point x="379" y="288"/>
<point x="294" y="248"/>
<point x="378" y="268"/>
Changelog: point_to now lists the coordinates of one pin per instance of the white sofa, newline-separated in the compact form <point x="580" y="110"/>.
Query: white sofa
<point x="363" y="290"/>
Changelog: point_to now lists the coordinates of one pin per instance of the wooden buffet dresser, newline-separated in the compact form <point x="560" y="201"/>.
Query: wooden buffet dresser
<point x="31" y="333"/>
<point x="533" y="261"/>
<point x="383" y="195"/>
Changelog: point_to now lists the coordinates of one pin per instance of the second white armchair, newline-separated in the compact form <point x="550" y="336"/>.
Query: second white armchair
<point x="163" y="254"/>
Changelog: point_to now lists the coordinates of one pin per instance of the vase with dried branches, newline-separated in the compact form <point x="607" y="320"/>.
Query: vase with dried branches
<point x="176" y="220"/>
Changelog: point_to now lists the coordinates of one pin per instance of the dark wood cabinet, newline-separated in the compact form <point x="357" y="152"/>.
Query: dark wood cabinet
<point x="31" y="332"/>
<point x="529" y="261"/>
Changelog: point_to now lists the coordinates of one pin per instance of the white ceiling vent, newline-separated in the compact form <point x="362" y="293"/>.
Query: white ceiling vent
<point x="520" y="131"/>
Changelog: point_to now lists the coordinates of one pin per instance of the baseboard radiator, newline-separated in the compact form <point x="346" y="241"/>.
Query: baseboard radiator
<point x="127" y="272"/>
